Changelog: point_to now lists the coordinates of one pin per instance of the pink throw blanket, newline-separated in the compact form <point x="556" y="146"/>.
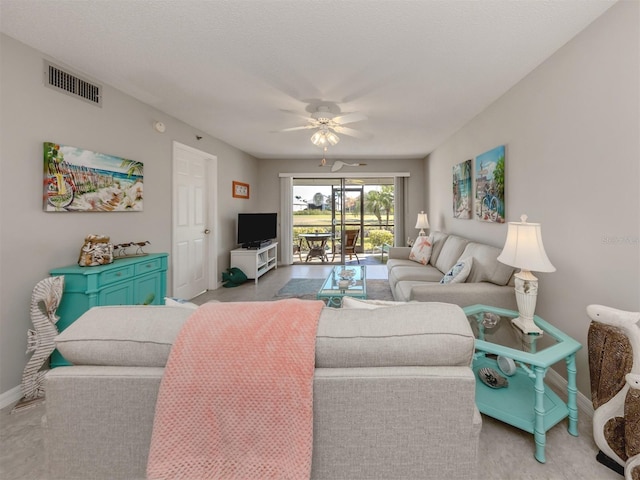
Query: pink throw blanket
<point x="236" y="398"/>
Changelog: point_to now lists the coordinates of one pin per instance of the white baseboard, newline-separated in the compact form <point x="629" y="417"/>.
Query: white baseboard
<point x="554" y="379"/>
<point x="10" y="396"/>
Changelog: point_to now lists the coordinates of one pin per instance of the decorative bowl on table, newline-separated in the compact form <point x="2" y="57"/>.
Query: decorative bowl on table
<point x="490" y="320"/>
<point x="346" y="273"/>
<point x="492" y="379"/>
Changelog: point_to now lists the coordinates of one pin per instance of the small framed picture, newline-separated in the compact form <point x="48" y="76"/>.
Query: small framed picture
<point x="240" y="190"/>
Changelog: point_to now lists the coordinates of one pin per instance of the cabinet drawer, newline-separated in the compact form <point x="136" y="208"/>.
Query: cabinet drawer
<point x="116" y="275"/>
<point x="147" y="266"/>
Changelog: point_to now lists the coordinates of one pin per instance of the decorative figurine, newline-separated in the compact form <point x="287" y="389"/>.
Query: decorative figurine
<point x="614" y="364"/>
<point x="45" y="299"/>
<point x="120" y="250"/>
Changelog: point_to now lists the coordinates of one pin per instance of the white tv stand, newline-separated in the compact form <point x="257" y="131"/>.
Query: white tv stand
<point x="255" y="262"/>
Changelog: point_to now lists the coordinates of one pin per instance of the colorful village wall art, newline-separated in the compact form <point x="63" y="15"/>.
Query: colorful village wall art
<point x="489" y="204"/>
<point x="78" y="180"/>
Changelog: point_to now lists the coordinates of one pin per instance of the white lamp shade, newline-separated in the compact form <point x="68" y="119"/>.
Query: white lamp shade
<point x="524" y="249"/>
<point x="422" y="221"/>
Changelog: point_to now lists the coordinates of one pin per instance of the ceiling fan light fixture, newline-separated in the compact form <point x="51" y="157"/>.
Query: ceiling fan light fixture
<point x="317" y="138"/>
<point x="323" y="138"/>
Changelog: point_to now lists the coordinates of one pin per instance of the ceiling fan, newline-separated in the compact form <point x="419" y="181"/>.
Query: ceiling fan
<point x="327" y="123"/>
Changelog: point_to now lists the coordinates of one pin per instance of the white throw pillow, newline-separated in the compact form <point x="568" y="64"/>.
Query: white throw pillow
<point x="421" y="250"/>
<point x="179" y="302"/>
<point x="458" y="273"/>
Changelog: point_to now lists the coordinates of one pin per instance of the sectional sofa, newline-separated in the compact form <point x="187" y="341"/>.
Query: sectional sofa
<point x="393" y="392"/>
<point x="489" y="282"/>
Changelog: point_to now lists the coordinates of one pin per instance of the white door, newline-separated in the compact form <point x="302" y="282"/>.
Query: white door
<point x="192" y="221"/>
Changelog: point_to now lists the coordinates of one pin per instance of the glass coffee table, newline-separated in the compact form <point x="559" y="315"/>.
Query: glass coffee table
<point x="526" y="402"/>
<point x="343" y="281"/>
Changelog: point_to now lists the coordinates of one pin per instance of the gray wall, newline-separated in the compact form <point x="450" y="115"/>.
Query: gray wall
<point x="571" y="130"/>
<point x="33" y="242"/>
<point x="269" y="171"/>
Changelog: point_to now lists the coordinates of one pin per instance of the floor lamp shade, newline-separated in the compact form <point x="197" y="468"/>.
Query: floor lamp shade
<point x="524" y="249"/>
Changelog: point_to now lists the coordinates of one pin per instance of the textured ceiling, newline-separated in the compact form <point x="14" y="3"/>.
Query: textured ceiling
<point x="418" y="69"/>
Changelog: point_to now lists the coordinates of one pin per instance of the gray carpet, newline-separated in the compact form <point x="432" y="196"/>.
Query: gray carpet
<point x="506" y="453"/>
<point x="307" y="288"/>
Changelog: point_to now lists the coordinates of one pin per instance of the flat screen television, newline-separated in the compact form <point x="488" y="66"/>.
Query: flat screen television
<point x="256" y="230"/>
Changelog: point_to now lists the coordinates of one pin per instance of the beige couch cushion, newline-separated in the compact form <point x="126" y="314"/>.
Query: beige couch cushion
<point x="450" y="253"/>
<point x="438" y="242"/>
<point x="414" y="334"/>
<point x="401" y="262"/>
<point x="402" y="291"/>
<point x="350" y="302"/>
<point x="486" y="267"/>
<point x="137" y="336"/>
<point x="427" y="273"/>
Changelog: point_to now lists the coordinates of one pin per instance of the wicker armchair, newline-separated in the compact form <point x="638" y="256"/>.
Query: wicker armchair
<point x="614" y="365"/>
<point x="350" y="243"/>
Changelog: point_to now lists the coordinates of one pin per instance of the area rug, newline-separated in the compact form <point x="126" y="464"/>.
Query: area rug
<point x="307" y="288"/>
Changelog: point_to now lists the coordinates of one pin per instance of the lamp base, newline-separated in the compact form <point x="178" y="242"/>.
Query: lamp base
<point x="526" y="296"/>
<point x="526" y="325"/>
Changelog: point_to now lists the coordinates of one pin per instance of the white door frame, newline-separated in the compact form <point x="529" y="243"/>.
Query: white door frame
<point x="212" y="213"/>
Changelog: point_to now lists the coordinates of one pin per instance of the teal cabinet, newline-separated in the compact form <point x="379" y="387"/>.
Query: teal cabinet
<point x="126" y="281"/>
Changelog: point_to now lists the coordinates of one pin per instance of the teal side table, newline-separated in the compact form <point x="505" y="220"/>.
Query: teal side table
<point x="127" y="281"/>
<point x="526" y="403"/>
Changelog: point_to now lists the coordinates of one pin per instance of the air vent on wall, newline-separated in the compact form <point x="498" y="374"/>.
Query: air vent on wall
<point x="72" y="84"/>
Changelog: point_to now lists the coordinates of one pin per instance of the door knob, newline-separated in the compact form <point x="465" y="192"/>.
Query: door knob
<point x="207" y="231"/>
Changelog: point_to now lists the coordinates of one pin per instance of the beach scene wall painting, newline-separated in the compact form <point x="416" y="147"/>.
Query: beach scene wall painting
<point x="79" y="180"/>
<point x="489" y="204"/>
<point x="462" y="190"/>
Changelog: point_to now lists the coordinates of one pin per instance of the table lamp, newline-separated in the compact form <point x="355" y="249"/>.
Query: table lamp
<point x="523" y="249"/>
<point x="422" y="223"/>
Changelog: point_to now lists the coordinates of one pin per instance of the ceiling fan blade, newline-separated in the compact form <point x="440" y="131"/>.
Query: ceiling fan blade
<point x="292" y="129"/>
<point x="350" y="131"/>
<point x="349" y="118"/>
<point x="297" y="114"/>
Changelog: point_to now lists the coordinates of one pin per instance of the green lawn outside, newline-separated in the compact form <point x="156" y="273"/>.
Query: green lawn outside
<point x="325" y="219"/>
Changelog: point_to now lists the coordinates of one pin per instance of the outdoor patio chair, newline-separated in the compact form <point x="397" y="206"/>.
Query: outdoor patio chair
<point x="297" y="248"/>
<point x="350" y="243"/>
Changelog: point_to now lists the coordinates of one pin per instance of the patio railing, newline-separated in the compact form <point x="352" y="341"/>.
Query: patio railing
<point x="371" y="239"/>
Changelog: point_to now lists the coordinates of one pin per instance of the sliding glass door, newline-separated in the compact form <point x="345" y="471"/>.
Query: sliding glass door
<point x="338" y="208"/>
<point x="348" y="216"/>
